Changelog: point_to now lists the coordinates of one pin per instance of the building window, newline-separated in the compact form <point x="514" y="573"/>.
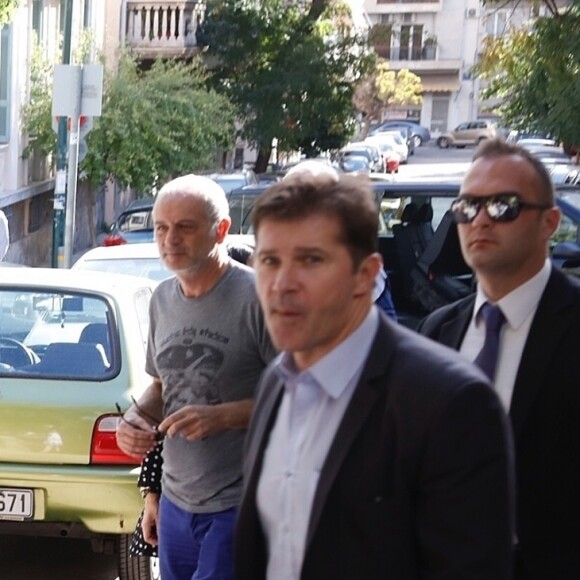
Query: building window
<point x="411" y="42"/>
<point x="5" y="84"/>
<point x="496" y="23"/>
<point x="439" y="114"/>
<point x="37" y="18"/>
<point x="36" y="213"/>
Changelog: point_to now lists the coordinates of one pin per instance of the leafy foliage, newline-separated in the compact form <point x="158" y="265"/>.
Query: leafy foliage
<point x="535" y="75"/>
<point x="6" y="9"/>
<point x="289" y="72"/>
<point x="154" y="125"/>
<point x="382" y="88"/>
<point x="36" y="114"/>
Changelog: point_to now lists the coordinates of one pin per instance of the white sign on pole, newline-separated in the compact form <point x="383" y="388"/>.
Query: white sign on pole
<point x="65" y="90"/>
<point x="92" y="90"/>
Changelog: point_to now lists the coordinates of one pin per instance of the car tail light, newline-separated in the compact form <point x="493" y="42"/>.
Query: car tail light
<point x="104" y="448"/>
<point x="114" y="240"/>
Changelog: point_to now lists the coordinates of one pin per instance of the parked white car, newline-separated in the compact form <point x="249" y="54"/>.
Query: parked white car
<point x="142" y="259"/>
<point x="401" y="146"/>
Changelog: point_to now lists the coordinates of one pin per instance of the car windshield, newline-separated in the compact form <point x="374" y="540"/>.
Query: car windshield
<point x="55" y="335"/>
<point x="136" y="221"/>
<point x="230" y="183"/>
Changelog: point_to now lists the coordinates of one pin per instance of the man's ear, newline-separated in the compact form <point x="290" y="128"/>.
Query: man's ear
<point x="367" y="272"/>
<point x="222" y="229"/>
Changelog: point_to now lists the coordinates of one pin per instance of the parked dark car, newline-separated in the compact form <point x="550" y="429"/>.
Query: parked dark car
<point x="233" y="179"/>
<point x="134" y="225"/>
<point x="419" y="134"/>
<point x="419" y="243"/>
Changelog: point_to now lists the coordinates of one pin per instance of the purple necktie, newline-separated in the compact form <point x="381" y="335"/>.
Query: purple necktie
<point x="486" y="360"/>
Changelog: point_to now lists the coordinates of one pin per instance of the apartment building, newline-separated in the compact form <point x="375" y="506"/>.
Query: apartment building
<point x="440" y="40"/>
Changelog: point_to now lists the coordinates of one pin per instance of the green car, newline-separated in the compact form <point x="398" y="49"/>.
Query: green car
<point x="72" y="354"/>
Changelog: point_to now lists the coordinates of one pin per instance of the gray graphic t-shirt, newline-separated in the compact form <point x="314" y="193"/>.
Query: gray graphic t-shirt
<point x="206" y="351"/>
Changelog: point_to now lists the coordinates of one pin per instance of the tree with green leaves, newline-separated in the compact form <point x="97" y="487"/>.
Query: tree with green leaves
<point x="383" y="88"/>
<point x="155" y="124"/>
<point x="7" y="7"/>
<point x="534" y="75"/>
<point x="289" y="70"/>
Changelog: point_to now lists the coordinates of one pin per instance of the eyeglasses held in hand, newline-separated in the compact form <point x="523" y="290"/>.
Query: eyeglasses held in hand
<point x="500" y="207"/>
<point x="153" y="421"/>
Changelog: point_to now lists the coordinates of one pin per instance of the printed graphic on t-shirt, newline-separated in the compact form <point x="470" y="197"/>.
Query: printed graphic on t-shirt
<point x="189" y="368"/>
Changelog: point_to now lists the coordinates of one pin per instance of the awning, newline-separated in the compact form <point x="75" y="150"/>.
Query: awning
<point x="440" y="83"/>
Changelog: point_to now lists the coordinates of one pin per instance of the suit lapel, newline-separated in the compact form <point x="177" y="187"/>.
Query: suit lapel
<point x="541" y="346"/>
<point x="454" y="329"/>
<point x="363" y="400"/>
<point x="272" y="395"/>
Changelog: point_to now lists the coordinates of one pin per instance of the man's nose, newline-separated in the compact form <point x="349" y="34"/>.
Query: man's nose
<point x="285" y="278"/>
<point x="172" y="235"/>
<point x="482" y="218"/>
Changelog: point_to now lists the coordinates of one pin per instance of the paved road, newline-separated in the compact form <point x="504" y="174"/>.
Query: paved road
<point x="24" y="558"/>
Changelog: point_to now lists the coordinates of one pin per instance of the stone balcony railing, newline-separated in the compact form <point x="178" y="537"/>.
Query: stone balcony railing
<point x="156" y="29"/>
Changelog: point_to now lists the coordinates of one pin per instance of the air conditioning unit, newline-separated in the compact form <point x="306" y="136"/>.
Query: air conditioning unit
<point x="471" y="13"/>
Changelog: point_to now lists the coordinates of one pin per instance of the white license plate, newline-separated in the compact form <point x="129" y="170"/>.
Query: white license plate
<point x="16" y="503"/>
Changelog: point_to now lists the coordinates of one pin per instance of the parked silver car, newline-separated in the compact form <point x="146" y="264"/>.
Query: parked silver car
<point x="470" y="133"/>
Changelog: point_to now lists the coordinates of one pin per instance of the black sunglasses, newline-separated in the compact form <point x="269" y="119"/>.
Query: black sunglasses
<point x="500" y="207"/>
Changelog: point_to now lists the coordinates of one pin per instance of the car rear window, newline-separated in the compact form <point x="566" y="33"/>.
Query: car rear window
<point x="55" y="335"/>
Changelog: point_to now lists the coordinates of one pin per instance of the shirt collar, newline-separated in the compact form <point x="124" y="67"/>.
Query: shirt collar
<point x="335" y="370"/>
<point x="519" y="303"/>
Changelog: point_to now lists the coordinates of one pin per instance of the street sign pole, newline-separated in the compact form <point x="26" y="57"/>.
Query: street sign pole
<point x="77" y="93"/>
<point x="72" y="171"/>
<point x="61" y="155"/>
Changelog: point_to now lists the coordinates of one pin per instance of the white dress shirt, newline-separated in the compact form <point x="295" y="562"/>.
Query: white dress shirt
<point x="519" y="308"/>
<point x="312" y="406"/>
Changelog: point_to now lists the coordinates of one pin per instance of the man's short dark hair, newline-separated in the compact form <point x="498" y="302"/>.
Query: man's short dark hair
<point x="495" y="148"/>
<point x="348" y="199"/>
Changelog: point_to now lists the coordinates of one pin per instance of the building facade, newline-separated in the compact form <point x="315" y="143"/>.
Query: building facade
<point x="440" y="41"/>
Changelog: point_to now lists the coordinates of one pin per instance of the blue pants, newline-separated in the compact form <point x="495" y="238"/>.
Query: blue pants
<point x="195" y="546"/>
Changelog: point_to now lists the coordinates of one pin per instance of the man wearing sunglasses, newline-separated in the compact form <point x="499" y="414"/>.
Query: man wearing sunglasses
<point x="505" y="216"/>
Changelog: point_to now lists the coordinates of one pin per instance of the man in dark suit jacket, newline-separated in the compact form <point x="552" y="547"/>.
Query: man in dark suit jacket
<point x="373" y="453"/>
<point x="537" y="375"/>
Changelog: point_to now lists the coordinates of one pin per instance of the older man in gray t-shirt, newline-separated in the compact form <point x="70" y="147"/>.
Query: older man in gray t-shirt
<point x="206" y="351"/>
<point x="207" y="348"/>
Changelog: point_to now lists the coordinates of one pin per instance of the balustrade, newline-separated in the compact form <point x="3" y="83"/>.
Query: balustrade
<point x="163" y="28"/>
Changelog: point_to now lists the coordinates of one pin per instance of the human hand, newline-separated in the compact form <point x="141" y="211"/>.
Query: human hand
<point x="150" y="519"/>
<point x="135" y="436"/>
<point x="193" y="422"/>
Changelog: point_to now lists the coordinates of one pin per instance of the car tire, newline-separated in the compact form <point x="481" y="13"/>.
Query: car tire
<point x="481" y="139"/>
<point x="443" y="142"/>
<point x="135" y="567"/>
<point x="417" y="140"/>
<point x="460" y="146"/>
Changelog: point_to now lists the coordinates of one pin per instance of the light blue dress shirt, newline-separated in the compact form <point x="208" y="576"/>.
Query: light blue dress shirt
<point x="313" y="404"/>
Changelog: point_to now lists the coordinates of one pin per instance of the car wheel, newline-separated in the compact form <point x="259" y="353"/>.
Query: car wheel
<point x="417" y="140"/>
<point x="135" y="567"/>
<point x="443" y="142"/>
<point x="481" y="139"/>
<point x="460" y="146"/>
